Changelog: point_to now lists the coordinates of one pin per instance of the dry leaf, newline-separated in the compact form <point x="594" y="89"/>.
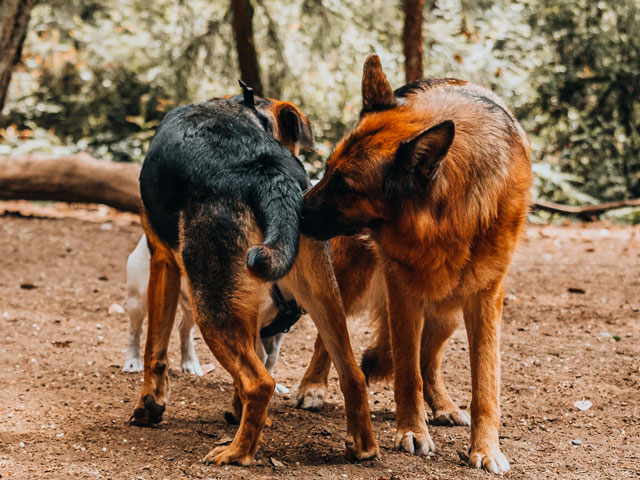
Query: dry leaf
<point x="224" y="441"/>
<point x="207" y="368"/>
<point x="276" y="463"/>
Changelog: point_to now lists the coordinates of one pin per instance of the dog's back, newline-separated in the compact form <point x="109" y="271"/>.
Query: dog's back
<point x="222" y="157"/>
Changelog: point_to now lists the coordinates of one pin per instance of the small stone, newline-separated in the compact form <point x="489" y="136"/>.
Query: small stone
<point x="576" y="441"/>
<point x="116" y="309"/>
<point x="582" y="405"/>
<point x="21" y="444"/>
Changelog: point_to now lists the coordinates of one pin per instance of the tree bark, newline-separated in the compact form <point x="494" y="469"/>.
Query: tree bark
<point x="79" y="178"/>
<point x="412" y="39"/>
<point x="14" y="19"/>
<point x="245" y="44"/>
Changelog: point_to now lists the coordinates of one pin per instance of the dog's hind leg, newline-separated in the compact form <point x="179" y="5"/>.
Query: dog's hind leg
<point x="314" y="286"/>
<point x="189" y="357"/>
<point x="225" y="300"/>
<point x="439" y="325"/>
<point x="271" y="346"/>
<point x="137" y="282"/>
<point x="313" y="386"/>
<point x="162" y="296"/>
<point x="234" y="348"/>
<point x="482" y="316"/>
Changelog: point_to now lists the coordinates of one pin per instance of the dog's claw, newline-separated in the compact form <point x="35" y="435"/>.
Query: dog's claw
<point x="311" y="398"/>
<point x="281" y="389"/>
<point x="132" y="365"/>
<point x="494" y="462"/>
<point x="457" y="418"/>
<point x="148" y="415"/>
<point x="354" y="453"/>
<point x="192" y="367"/>
<point x="415" y="443"/>
<point x="227" y="454"/>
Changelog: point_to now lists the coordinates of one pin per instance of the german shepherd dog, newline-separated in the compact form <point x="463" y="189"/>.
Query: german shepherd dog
<point x="438" y="174"/>
<point x="360" y="276"/>
<point x="222" y="191"/>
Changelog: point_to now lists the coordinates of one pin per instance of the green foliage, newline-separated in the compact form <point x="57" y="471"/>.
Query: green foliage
<point x="587" y="102"/>
<point x="101" y="74"/>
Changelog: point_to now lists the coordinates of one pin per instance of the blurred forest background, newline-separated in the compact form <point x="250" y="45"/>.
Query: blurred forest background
<point x="98" y="76"/>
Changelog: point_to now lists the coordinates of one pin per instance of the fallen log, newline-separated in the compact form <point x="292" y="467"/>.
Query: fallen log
<point x="82" y="178"/>
<point x="76" y="178"/>
<point x="587" y="212"/>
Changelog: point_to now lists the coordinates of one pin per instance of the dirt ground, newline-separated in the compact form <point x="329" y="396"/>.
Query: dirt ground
<point x="571" y="332"/>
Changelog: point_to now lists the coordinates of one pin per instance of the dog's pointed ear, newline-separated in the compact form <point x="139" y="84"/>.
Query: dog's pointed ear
<point x="417" y="160"/>
<point x="376" y="91"/>
<point x="422" y="153"/>
<point x="294" y="128"/>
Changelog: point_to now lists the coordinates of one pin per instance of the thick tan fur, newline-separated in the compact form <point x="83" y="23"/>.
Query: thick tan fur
<point x="445" y="247"/>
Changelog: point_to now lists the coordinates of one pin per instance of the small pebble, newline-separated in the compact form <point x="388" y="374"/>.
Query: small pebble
<point x="21" y="444"/>
<point x="576" y="441"/>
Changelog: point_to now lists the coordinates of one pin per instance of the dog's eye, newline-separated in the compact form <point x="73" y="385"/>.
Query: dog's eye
<point x="340" y="185"/>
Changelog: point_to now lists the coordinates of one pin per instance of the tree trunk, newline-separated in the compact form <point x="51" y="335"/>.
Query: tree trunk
<point x="412" y="39"/>
<point x="79" y="178"/>
<point x="245" y="44"/>
<point x="14" y="19"/>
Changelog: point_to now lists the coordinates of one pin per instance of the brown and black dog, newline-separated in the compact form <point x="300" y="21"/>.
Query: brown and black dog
<point x="438" y="174"/>
<point x="222" y="191"/>
<point x="360" y="276"/>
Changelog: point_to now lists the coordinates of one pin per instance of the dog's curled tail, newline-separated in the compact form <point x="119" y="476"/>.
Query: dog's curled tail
<point x="277" y="209"/>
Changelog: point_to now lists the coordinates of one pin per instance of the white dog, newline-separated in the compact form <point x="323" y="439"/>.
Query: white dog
<point x="268" y="349"/>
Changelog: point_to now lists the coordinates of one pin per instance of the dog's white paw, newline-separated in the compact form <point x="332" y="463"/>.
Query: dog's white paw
<point x="455" y="418"/>
<point x="494" y="462"/>
<point x="311" y="398"/>
<point x="133" y="365"/>
<point x="192" y="366"/>
<point x="416" y="443"/>
<point x="281" y="389"/>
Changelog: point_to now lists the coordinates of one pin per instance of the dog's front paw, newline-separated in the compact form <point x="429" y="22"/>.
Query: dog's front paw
<point x="455" y="418"/>
<point x="228" y="454"/>
<point x="415" y="442"/>
<point x="281" y="389"/>
<point x="192" y="366"/>
<point x="311" y="397"/>
<point x="148" y="413"/>
<point x="492" y="461"/>
<point x="132" y="364"/>
<point x="364" y="449"/>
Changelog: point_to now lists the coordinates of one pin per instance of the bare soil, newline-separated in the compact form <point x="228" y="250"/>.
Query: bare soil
<point x="571" y="332"/>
